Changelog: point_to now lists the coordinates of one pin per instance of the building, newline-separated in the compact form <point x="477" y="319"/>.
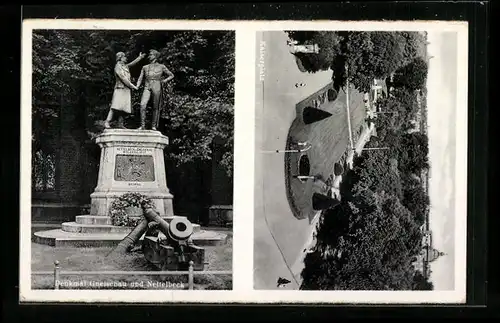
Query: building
<point x="378" y="90"/>
<point x="427" y="255"/>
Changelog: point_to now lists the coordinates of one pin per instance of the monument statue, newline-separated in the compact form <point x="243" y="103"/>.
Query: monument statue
<point x="121" y="101"/>
<point x="153" y="75"/>
<point x="305" y="49"/>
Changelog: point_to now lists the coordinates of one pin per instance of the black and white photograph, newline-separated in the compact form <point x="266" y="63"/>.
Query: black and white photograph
<point x="131" y="158"/>
<point x="226" y="161"/>
<point x="360" y="160"/>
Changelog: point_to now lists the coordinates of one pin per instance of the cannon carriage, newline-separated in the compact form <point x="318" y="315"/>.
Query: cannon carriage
<point x="173" y="247"/>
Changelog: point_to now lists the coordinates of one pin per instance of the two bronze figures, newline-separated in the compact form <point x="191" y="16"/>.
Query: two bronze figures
<point x="153" y="76"/>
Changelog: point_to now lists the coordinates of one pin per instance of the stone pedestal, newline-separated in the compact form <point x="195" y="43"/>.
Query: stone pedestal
<point x="131" y="161"/>
<point x="305" y="49"/>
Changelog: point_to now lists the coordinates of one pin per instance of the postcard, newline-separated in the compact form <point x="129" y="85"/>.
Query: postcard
<point x="243" y="161"/>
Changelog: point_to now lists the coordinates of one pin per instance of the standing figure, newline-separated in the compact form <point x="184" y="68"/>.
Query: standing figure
<point x="121" y="101"/>
<point x="153" y="74"/>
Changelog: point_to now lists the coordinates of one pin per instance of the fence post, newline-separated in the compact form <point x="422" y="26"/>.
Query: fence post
<point x="56" y="274"/>
<point x="191" y="274"/>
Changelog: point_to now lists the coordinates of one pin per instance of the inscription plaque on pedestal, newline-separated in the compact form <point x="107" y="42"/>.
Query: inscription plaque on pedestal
<point x="134" y="168"/>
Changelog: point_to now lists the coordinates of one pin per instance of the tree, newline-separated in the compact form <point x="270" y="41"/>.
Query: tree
<point x="417" y="201"/>
<point x="421" y="283"/>
<point x="376" y="172"/>
<point x="388" y="52"/>
<point x="415" y="44"/>
<point x="77" y="66"/>
<point x="375" y="253"/>
<point x="372" y="55"/>
<point x="412" y="76"/>
<point x="398" y="112"/>
<point x="54" y="65"/>
<point x="202" y="108"/>
<point x="371" y="239"/>
<point x="413" y="153"/>
<point x="358" y="49"/>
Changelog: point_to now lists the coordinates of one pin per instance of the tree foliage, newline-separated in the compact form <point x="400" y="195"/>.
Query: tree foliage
<point x="421" y="283"/>
<point x="412" y="76"/>
<point x="373" y="55"/>
<point x="414" y="152"/>
<point x="370" y="242"/>
<point x="417" y="201"/>
<point x="379" y="173"/>
<point x="367" y="55"/>
<point x="374" y="253"/>
<point x="74" y="68"/>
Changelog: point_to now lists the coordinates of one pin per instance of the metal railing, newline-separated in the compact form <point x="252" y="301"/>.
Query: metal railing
<point x="57" y="273"/>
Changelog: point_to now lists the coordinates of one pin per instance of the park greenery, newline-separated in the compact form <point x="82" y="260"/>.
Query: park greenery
<point x="74" y="68"/>
<point x="372" y="239"/>
<point x="366" y="55"/>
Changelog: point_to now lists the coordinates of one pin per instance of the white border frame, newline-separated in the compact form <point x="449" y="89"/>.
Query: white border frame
<point x="244" y="169"/>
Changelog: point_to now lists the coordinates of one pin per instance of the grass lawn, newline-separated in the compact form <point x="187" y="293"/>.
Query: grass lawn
<point x="93" y="259"/>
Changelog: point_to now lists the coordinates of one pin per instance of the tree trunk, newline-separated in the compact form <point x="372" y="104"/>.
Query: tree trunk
<point x="128" y="242"/>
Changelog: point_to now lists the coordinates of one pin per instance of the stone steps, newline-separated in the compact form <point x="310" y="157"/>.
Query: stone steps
<point x="92" y="219"/>
<point x="93" y="228"/>
<point x="97" y="219"/>
<point x="74" y="227"/>
<point x="60" y="238"/>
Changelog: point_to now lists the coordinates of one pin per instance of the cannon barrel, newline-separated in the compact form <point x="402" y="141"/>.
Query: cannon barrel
<point x="130" y="239"/>
<point x="179" y="229"/>
<point x="179" y="245"/>
<point x="153" y="216"/>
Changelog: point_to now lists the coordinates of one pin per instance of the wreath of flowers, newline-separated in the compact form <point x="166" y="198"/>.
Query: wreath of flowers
<point x="118" y="209"/>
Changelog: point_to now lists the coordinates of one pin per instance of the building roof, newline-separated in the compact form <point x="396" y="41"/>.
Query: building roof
<point x="433" y="254"/>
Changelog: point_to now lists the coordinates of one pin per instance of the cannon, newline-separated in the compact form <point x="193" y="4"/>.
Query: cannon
<point x="169" y="246"/>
